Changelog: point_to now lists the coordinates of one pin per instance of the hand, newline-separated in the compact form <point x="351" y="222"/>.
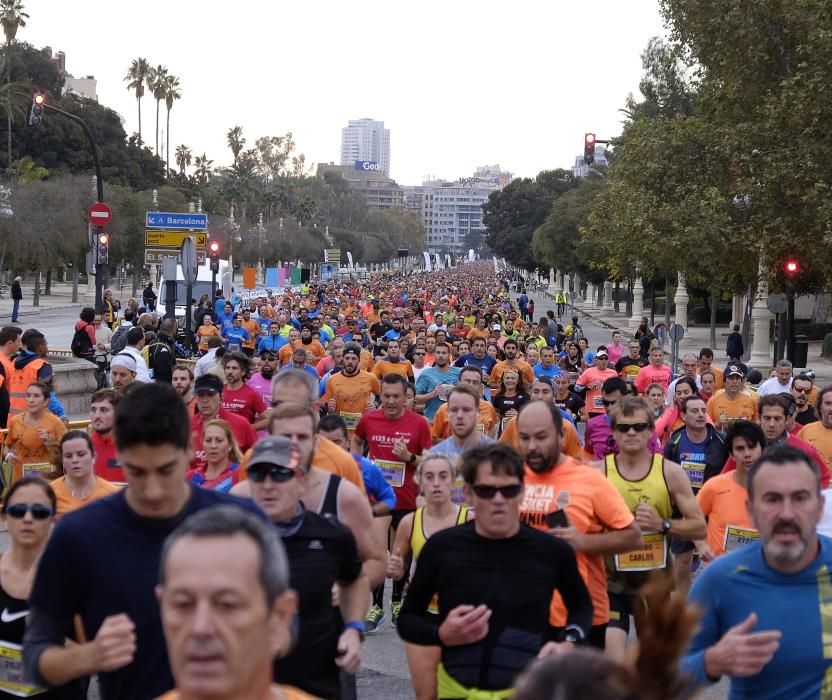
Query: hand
<point x="401" y="451"/>
<point x="555" y="649"/>
<point x="336" y="595"/>
<point x="571" y="535"/>
<point x="648" y="519"/>
<point x="741" y="652"/>
<point x="436" y="391"/>
<point x="395" y="565"/>
<point x="115" y="643"/>
<point x="371" y="406"/>
<point x="331" y="405"/>
<point x="465" y="624"/>
<point x="511" y="413"/>
<point x="706" y="554"/>
<point x="349" y="651"/>
<point x="42" y="434"/>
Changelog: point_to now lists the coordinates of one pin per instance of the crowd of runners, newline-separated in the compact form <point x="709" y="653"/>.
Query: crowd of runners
<point x="224" y="528"/>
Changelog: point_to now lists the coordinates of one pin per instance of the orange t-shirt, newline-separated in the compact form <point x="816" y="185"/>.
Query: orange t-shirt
<point x="441" y="427"/>
<point x="723" y="410"/>
<point x="284" y="355"/>
<point x="723" y="502"/>
<point x="313" y="349"/>
<point x="820" y="438"/>
<point x="520" y="365"/>
<point x="67" y="502"/>
<point x="366" y="362"/>
<point x="592" y="505"/>
<point x="328" y="457"/>
<point x="289" y="692"/>
<point x="205" y="332"/>
<point x="570" y="444"/>
<point x="475" y="333"/>
<point x="26" y="444"/>
<point x="253" y="329"/>
<point x="592" y="379"/>
<point x="351" y="394"/>
<point x="384" y="367"/>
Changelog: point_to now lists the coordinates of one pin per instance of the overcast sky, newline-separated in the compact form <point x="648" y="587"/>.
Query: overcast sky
<point x="459" y="83"/>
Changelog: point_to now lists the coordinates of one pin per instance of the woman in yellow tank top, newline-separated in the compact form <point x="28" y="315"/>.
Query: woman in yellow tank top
<point x="435" y="475"/>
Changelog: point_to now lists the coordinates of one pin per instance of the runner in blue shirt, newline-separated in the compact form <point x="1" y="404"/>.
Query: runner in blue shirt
<point x="235" y="335"/>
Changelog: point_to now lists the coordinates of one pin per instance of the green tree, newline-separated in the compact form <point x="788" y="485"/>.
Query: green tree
<point x="204" y="171"/>
<point x="156" y="83"/>
<point x="236" y="141"/>
<point x="183" y="157"/>
<point x="172" y="93"/>
<point x="136" y="77"/>
<point x="12" y="18"/>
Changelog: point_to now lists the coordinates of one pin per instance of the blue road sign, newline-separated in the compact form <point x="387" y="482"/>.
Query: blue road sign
<point x="169" y="220"/>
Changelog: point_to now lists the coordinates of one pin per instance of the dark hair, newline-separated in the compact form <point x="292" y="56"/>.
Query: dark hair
<point x="688" y="399"/>
<point x="784" y="401"/>
<point x="613" y="384"/>
<point x="803" y="377"/>
<point x="134" y="335"/>
<point x="44" y="388"/>
<point x="32" y="339"/>
<point x="88" y="314"/>
<point x="823" y="392"/>
<point x="129" y="315"/>
<point x="152" y="414"/>
<point x="510" y="341"/>
<point x="30" y="481"/>
<point x="779" y="455"/>
<point x="239" y="358"/>
<point x="105" y="394"/>
<point x="390" y="379"/>
<point x="503" y="458"/>
<point x="690" y="381"/>
<point x="332" y="422"/>
<point x="470" y="368"/>
<point x="706" y="352"/>
<point x="230" y="520"/>
<point x="71" y="435"/>
<point x="9" y="334"/>
<point x="751" y="432"/>
<point x="184" y="368"/>
<point x="630" y="405"/>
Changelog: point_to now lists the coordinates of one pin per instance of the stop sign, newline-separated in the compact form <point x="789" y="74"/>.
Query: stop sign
<point x="99" y="214"/>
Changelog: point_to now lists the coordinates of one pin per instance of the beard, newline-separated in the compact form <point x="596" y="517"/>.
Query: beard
<point x="786" y="553"/>
<point x="542" y="462"/>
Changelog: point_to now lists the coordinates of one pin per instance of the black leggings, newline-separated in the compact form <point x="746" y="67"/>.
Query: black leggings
<point x="398" y="586"/>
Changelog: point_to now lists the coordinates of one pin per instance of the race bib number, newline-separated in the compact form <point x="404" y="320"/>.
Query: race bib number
<point x="503" y="423"/>
<point x="351" y="419"/>
<point x="632" y="372"/>
<point x="695" y="472"/>
<point x="37" y="469"/>
<point x="458" y="491"/>
<point x="598" y="403"/>
<point x="234" y="347"/>
<point x="393" y="472"/>
<point x="573" y="377"/>
<point x="481" y="428"/>
<point x="651" y="555"/>
<point x="11" y="672"/>
<point x="444" y="390"/>
<point x="736" y="537"/>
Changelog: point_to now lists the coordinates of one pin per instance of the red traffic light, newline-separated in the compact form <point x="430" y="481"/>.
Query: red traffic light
<point x="103" y="238"/>
<point x="589" y="139"/>
<point x="215" y="247"/>
<point x="39" y="98"/>
<point x="791" y="267"/>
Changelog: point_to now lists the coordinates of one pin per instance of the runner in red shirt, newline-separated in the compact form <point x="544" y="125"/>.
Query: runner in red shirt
<point x="102" y="412"/>
<point x="208" y="391"/>
<point x="396" y="436"/>
<point x="238" y="397"/>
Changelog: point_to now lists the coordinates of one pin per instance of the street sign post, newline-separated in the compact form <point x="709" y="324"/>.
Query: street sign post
<point x="99" y="214"/>
<point x="189" y="272"/>
<point x="156" y="256"/>
<point x="176" y="220"/>
<point x="676" y="333"/>
<point x="173" y="239"/>
<point x="778" y="304"/>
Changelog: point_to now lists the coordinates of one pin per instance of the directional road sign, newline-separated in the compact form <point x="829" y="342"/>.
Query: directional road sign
<point x="176" y="220"/>
<point x="99" y="214"/>
<point x="173" y="239"/>
<point x="155" y="256"/>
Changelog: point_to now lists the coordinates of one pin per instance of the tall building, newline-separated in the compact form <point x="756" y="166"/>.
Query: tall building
<point x="451" y="211"/>
<point x="85" y="87"/>
<point x="581" y="169"/>
<point x="366" y="140"/>
<point x="380" y="191"/>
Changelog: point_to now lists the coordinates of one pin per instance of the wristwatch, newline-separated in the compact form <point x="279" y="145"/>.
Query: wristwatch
<point x="358" y="626"/>
<point x="666" y="525"/>
<point x="574" y="634"/>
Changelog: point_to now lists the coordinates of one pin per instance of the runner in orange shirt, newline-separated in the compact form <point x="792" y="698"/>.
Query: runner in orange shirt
<point x="577" y="504"/>
<point x="723" y="499"/>
<point x="487" y="420"/>
<point x="730" y="403"/>
<point x="393" y="363"/>
<point x="350" y="392"/>
<point x="512" y="361"/>
<point x="589" y="383"/>
<point x="706" y="360"/>
<point x="254" y="333"/>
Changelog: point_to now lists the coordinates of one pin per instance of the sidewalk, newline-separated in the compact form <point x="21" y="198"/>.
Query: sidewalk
<point x="60" y="298"/>
<point x="698" y="337"/>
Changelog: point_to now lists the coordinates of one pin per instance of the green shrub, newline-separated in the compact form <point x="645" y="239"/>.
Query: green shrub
<point x="827" y="345"/>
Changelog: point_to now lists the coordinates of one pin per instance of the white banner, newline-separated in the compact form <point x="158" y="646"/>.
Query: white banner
<point x="428" y="266"/>
<point x="349" y="257"/>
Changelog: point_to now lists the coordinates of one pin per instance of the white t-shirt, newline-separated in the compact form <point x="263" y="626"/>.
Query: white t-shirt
<point x="825" y="524"/>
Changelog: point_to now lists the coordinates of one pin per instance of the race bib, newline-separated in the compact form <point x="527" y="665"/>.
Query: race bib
<point x="503" y="424"/>
<point x="444" y="390"/>
<point x="41" y="469"/>
<point x="11" y="672"/>
<point x="481" y="428"/>
<point x="598" y="402"/>
<point x="234" y="347"/>
<point x="651" y="555"/>
<point x="393" y="472"/>
<point x="458" y="491"/>
<point x="736" y="537"/>
<point x="351" y="419"/>
<point x="695" y="472"/>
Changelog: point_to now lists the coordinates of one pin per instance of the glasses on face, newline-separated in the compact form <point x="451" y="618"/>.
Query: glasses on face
<point x="275" y="472"/>
<point x="607" y="402"/>
<point x="488" y="492"/>
<point x="418" y="353"/>
<point x="800" y="390"/>
<point x="38" y="510"/>
<point x="625" y="427"/>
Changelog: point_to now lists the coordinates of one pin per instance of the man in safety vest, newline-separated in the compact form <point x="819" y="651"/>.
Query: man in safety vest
<point x="29" y="366"/>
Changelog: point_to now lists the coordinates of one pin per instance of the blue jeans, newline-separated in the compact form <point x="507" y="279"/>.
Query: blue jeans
<point x="15" y="309"/>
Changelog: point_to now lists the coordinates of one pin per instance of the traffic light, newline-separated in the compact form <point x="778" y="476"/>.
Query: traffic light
<point x="35" y="116"/>
<point x="215" y="256"/>
<point x="791" y="267"/>
<point x="103" y="248"/>
<point x="589" y="148"/>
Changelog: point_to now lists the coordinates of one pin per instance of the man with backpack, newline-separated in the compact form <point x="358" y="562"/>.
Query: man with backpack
<point x="119" y="340"/>
<point x="83" y="341"/>
<point x="161" y="354"/>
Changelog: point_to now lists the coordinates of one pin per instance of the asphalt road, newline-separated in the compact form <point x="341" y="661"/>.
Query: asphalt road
<point x="384" y="674"/>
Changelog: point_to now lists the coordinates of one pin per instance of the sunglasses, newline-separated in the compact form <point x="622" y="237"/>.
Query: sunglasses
<point x="276" y="472"/>
<point x="638" y="427"/>
<point x="488" y="492"/>
<point x="608" y="403"/>
<point x="38" y="510"/>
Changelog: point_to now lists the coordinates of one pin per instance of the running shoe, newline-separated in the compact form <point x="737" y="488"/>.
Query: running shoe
<point x="374" y="619"/>
<point x="395" y="607"/>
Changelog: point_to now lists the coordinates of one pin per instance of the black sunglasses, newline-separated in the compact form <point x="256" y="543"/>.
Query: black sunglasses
<point x="488" y="492"/>
<point x="625" y="427"/>
<point x="276" y="472"/>
<point x="607" y="402"/>
<point x="38" y="510"/>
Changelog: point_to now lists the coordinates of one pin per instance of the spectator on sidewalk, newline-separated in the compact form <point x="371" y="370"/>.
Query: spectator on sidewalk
<point x="149" y="297"/>
<point x="733" y="346"/>
<point x="17" y="297"/>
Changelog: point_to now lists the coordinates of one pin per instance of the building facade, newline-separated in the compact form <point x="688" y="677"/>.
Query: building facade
<point x="581" y="169"/>
<point x="380" y="191"/>
<point x="366" y="140"/>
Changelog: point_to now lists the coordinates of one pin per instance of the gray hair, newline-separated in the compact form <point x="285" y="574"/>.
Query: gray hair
<point x="226" y="521"/>
<point x="784" y="363"/>
<point x="297" y="377"/>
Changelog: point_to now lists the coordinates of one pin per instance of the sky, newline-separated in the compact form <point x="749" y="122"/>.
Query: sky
<point x="459" y="83"/>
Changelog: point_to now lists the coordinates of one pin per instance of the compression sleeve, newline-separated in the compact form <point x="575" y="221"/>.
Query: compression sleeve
<point x="41" y="633"/>
<point x="416" y="624"/>
<point x="705" y="597"/>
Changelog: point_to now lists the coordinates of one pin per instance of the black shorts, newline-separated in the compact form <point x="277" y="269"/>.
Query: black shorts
<point x="678" y="546"/>
<point x="398" y="514"/>
<point x="622" y="606"/>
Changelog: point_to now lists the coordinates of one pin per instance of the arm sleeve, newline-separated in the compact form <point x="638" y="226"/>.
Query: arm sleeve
<point x="41" y="633"/>
<point x="416" y="624"/>
<point x="573" y="590"/>
<point x="704" y="596"/>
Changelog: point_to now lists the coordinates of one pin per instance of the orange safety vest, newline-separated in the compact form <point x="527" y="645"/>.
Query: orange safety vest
<point x="19" y="381"/>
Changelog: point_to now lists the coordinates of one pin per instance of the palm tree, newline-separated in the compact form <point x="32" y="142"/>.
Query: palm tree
<point x="236" y="141"/>
<point x="137" y="75"/>
<point x="172" y="92"/>
<point x="12" y="17"/>
<point x="156" y="84"/>
<point x="183" y="157"/>
<point x="203" y="169"/>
